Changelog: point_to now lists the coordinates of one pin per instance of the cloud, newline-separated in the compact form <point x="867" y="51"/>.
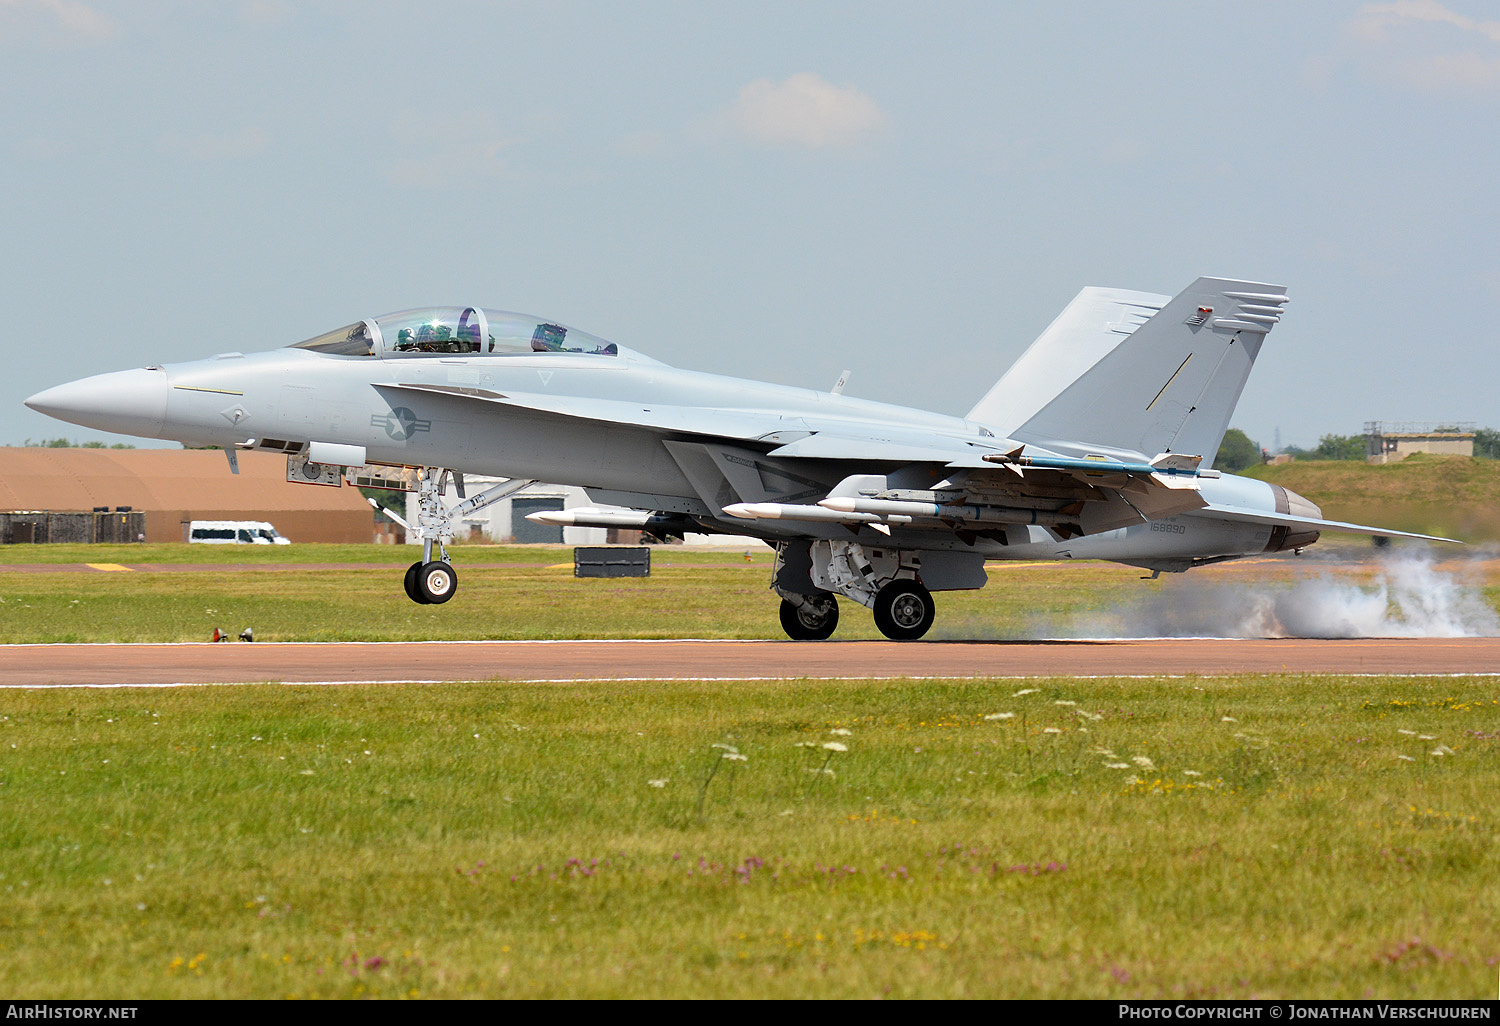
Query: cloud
<point x="1374" y="20"/>
<point x="55" y="23"/>
<point x="446" y="149"/>
<point x="804" y="111"/>
<point x="1427" y="45"/>
<point x="237" y="145"/>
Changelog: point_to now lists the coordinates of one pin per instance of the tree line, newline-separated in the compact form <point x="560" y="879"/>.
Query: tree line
<point x="1238" y="452"/>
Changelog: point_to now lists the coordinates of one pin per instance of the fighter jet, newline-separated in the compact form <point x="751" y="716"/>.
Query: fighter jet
<point x="1097" y="444"/>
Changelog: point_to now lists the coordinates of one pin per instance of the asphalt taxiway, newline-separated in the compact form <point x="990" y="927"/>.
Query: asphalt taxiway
<point x="563" y="661"/>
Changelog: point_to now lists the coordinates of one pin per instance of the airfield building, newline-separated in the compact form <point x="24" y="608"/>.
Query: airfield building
<point x="121" y="494"/>
<point x="1391" y="442"/>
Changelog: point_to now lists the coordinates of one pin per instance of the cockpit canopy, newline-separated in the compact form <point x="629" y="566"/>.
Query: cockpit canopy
<point x="456" y="330"/>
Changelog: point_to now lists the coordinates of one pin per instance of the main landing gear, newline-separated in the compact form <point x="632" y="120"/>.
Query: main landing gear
<point x="809" y="577"/>
<point x="433" y="581"/>
<point x="903" y="610"/>
<point x="809" y="618"/>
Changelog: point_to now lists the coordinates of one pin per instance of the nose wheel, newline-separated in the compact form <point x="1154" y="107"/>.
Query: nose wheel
<point x="431" y="583"/>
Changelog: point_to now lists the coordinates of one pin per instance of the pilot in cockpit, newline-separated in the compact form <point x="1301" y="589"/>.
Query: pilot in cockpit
<point x="548" y="338"/>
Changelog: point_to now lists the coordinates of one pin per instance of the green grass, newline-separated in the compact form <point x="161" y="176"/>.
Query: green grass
<point x="441" y="841"/>
<point x="1452" y="496"/>
<point x="689" y="594"/>
<point x="317" y="552"/>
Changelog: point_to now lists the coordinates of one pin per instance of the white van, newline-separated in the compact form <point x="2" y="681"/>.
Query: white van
<point x="234" y="532"/>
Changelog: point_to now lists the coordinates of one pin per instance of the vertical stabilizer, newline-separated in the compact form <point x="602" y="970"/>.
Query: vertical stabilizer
<point x="1088" y="329"/>
<point x="1172" y="385"/>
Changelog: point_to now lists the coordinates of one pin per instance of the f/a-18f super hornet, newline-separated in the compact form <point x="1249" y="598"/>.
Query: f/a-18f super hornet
<point x="1097" y="444"/>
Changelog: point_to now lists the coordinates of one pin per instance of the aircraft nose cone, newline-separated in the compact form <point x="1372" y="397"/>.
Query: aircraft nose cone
<point x="132" y="402"/>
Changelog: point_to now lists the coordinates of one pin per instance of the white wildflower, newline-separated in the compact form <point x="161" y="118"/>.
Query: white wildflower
<point x="1025" y="691"/>
<point x="1441" y="750"/>
<point x="999" y="716"/>
<point x="1408" y="733"/>
<point x="735" y="757"/>
<point x="1228" y="719"/>
<point x="727" y="748"/>
<point x="1426" y="737"/>
<point x="835" y="746"/>
<point x="1117" y="765"/>
<point x="1143" y="762"/>
<point x="840" y="732"/>
<point x="1191" y="773"/>
<point x="659" y="783"/>
<point x="1050" y="730"/>
<point x="1406" y="758"/>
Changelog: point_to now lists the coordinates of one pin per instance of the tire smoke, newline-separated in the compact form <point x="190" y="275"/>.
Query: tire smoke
<point x="1410" y="596"/>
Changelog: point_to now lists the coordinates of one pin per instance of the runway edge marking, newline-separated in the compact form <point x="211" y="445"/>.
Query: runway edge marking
<point x="713" y="680"/>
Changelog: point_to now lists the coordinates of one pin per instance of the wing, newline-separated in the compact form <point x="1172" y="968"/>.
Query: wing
<point x="985" y="494"/>
<point x="750" y="465"/>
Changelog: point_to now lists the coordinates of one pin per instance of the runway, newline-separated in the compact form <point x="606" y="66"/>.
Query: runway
<point x="564" y="661"/>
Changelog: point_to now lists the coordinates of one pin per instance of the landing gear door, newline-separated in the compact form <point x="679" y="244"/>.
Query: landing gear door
<point x="301" y="470"/>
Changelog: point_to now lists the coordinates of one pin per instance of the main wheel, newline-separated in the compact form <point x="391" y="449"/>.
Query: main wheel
<point x="903" y="610"/>
<point x="436" y="581"/>
<point x="411" y="583"/>
<point x="811" y="621"/>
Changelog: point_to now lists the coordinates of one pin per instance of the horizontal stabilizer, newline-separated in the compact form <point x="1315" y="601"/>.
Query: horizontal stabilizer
<point x="1257" y="516"/>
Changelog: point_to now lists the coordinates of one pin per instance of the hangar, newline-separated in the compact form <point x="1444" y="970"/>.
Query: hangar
<point x="174" y="486"/>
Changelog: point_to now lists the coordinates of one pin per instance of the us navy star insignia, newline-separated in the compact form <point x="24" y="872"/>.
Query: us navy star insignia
<point x="401" y="423"/>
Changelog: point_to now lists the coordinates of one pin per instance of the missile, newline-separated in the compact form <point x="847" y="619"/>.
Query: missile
<point x="787" y="511"/>
<point x="886" y="508"/>
<point x="587" y="516"/>
<point x="1169" y="464"/>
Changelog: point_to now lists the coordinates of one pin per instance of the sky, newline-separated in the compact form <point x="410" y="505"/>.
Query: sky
<point x="776" y="190"/>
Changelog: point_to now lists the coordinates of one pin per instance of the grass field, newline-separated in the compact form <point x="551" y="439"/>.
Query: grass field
<point x="1221" y="837"/>
<point x="508" y="592"/>
<point x="1248" y="837"/>
<point x="1452" y="496"/>
<point x="504" y="593"/>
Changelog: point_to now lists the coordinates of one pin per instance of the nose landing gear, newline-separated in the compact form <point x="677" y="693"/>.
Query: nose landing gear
<point x="433" y="581"/>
